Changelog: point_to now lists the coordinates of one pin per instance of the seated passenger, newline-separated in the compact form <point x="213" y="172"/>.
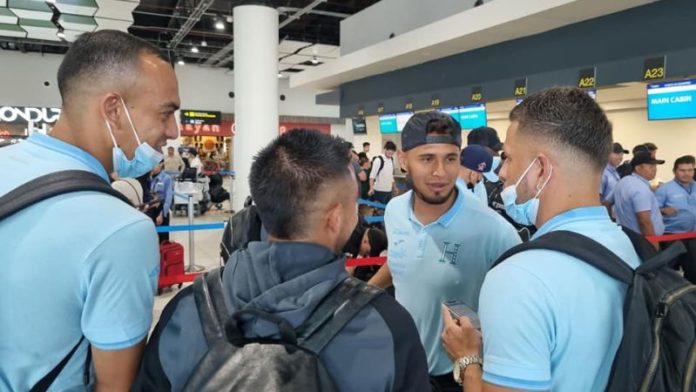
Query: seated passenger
<point x="291" y="273"/>
<point x="550" y="322"/>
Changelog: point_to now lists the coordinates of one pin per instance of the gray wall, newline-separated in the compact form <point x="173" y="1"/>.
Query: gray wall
<point x="376" y="23"/>
<point x="616" y="44"/>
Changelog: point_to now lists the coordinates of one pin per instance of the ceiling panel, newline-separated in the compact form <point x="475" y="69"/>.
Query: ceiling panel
<point x="116" y="9"/>
<point x="7" y="16"/>
<point x="31" y="9"/>
<point x="78" y="22"/>
<point x="12" y="30"/>
<point x="77" y="7"/>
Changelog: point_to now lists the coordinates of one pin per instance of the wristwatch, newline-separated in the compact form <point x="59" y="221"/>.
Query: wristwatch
<point x="461" y="364"/>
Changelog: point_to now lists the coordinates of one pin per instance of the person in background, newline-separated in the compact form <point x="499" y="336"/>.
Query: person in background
<point x="364" y="184"/>
<point x="82" y="289"/>
<point x="173" y="164"/>
<point x="677" y="202"/>
<point x="610" y="177"/>
<point x="163" y="187"/>
<point x="366" y="148"/>
<point x="634" y="202"/>
<point x="442" y="240"/>
<point x="475" y="160"/>
<point x="290" y="274"/>
<point x="382" y="184"/>
<point x="360" y="174"/>
<point x="195" y="162"/>
<point x="549" y="321"/>
<point x="373" y="244"/>
<point x="487" y="137"/>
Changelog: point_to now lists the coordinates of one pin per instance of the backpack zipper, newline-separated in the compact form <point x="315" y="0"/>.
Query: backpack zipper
<point x="690" y="368"/>
<point x="660" y="315"/>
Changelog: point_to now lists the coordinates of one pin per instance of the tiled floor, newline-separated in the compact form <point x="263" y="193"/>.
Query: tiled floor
<point x="206" y="249"/>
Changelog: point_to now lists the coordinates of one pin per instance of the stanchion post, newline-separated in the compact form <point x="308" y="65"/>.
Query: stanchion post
<point x="192" y="267"/>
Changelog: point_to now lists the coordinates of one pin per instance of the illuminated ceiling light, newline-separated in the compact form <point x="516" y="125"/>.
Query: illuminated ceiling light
<point x="204" y="43"/>
<point x="219" y="25"/>
<point x="280" y="75"/>
<point x="229" y="19"/>
<point x="181" y="62"/>
<point x="51" y="1"/>
<point x="315" y="60"/>
<point x="194" y="49"/>
<point x="60" y="34"/>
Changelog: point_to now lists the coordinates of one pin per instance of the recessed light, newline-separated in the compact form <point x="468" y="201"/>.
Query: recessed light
<point x="315" y="60"/>
<point x="219" y="25"/>
<point x="280" y="75"/>
<point x="194" y="49"/>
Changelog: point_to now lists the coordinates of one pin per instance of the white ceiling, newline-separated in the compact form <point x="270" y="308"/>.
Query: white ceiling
<point x="287" y="58"/>
<point x="493" y="22"/>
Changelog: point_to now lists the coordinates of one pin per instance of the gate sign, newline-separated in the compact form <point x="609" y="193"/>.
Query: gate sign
<point x="200" y="117"/>
<point x="18" y="122"/>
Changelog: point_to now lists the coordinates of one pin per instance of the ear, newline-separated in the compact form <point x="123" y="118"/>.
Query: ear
<point x="545" y="171"/>
<point x="402" y="160"/>
<point x="333" y="220"/>
<point x="110" y="108"/>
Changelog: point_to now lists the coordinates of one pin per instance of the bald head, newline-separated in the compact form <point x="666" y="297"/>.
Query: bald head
<point x="101" y="62"/>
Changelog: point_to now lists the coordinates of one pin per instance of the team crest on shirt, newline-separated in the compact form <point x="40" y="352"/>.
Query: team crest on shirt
<point x="449" y="252"/>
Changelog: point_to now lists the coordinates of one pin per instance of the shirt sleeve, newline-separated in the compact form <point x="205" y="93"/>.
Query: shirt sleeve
<point x="603" y="187"/>
<point x="641" y="200"/>
<point x="661" y="196"/>
<point x="168" y="195"/>
<point x="119" y="283"/>
<point x="515" y="309"/>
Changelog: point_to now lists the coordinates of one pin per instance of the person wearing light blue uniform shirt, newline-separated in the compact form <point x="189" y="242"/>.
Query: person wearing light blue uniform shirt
<point x="82" y="267"/>
<point x="442" y="240"/>
<point x="549" y="322"/>
<point x="486" y="137"/>
<point x="635" y="204"/>
<point x="475" y="160"/>
<point x="162" y="186"/>
<point x="611" y="177"/>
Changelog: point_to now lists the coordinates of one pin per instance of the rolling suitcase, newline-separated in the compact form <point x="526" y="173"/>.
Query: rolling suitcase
<point x="171" y="260"/>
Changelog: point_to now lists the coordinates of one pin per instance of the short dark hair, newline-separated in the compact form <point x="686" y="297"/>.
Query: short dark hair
<point x="105" y="55"/>
<point x="390" y="145"/>
<point x="568" y="118"/>
<point x="287" y="175"/>
<point x="366" y="144"/>
<point x="685" y="160"/>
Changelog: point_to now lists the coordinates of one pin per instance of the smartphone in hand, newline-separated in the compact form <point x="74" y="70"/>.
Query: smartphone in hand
<point x="459" y="309"/>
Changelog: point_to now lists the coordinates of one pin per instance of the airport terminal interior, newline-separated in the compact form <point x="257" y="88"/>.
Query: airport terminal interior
<point x="545" y="101"/>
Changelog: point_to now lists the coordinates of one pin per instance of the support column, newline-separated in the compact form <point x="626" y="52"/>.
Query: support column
<point x="256" y="89"/>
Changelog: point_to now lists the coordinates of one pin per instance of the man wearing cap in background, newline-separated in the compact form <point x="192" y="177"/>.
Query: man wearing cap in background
<point x="475" y="160"/>
<point x="677" y="202"/>
<point x="610" y="177"/>
<point x="487" y="137"/>
<point x="634" y="203"/>
<point x="442" y="240"/>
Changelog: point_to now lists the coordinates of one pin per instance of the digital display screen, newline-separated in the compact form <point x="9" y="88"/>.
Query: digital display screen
<point x="393" y="123"/>
<point x="672" y="100"/>
<point x="359" y="125"/>
<point x="452" y="111"/>
<point x="401" y="120"/>
<point x="473" y="116"/>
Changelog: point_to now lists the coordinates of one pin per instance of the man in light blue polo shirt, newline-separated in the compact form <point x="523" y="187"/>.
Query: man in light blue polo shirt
<point x="611" y="177"/>
<point x="635" y="204"/>
<point x="442" y="240"/>
<point x="85" y="264"/>
<point x="677" y="202"/>
<point x="549" y="322"/>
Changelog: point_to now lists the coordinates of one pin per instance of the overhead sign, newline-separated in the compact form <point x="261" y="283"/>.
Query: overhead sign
<point x="409" y="104"/>
<point x="476" y="94"/>
<point x="380" y="108"/>
<point x="361" y="111"/>
<point x="587" y="78"/>
<point x="520" y="88"/>
<point x="673" y="100"/>
<point x="198" y="117"/>
<point x="654" y="68"/>
<point x="435" y="101"/>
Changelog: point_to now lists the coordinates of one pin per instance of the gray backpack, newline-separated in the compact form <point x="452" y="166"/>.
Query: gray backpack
<point x="291" y="363"/>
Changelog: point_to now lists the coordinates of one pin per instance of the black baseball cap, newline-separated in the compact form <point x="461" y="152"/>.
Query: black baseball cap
<point x="415" y="131"/>
<point x="643" y="157"/>
<point x="618" y="149"/>
<point x="485" y="136"/>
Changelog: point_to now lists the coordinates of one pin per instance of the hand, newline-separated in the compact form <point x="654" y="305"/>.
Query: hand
<point x="668" y="211"/>
<point x="459" y="337"/>
<point x="371" y="192"/>
<point x="159" y="220"/>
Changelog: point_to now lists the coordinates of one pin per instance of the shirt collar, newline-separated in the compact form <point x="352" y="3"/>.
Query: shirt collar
<point x="70" y="150"/>
<point x="574" y="215"/>
<point x="445" y="219"/>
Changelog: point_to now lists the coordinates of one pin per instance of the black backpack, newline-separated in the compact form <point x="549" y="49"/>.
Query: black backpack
<point x="291" y="363"/>
<point x="495" y="202"/>
<point x="658" y="349"/>
<point x="243" y="227"/>
<point x="44" y="188"/>
<point x="381" y="163"/>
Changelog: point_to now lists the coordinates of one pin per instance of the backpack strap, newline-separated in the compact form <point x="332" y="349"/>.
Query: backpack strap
<point x="381" y="164"/>
<point x="51" y="185"/>
<point x="334" y="312"/>
<point x="580" y="247"/>
<point x="45" y="383"/>
<point x="210" y="302"/>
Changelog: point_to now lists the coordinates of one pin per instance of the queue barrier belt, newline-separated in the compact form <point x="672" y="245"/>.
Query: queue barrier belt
<point x="671" y="237"/>
<point x="371" y="203"/>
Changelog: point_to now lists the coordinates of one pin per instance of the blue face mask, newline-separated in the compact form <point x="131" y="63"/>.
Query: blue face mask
<point x="525" y="213"/>
<point x="144" y="159"/>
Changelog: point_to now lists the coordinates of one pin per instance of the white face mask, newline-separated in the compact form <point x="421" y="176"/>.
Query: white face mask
<point x="526" y="213"/>
<point x="144" y="159"/>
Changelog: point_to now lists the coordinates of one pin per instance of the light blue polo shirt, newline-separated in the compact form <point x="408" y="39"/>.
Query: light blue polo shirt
<point x="550" y="321"/>
<point x="632" y="195"/>
<point x="610" y="177"/>
<point x="444" y="260"/>
<point x="81" y="263"/>
<point x="683" y="199"/>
